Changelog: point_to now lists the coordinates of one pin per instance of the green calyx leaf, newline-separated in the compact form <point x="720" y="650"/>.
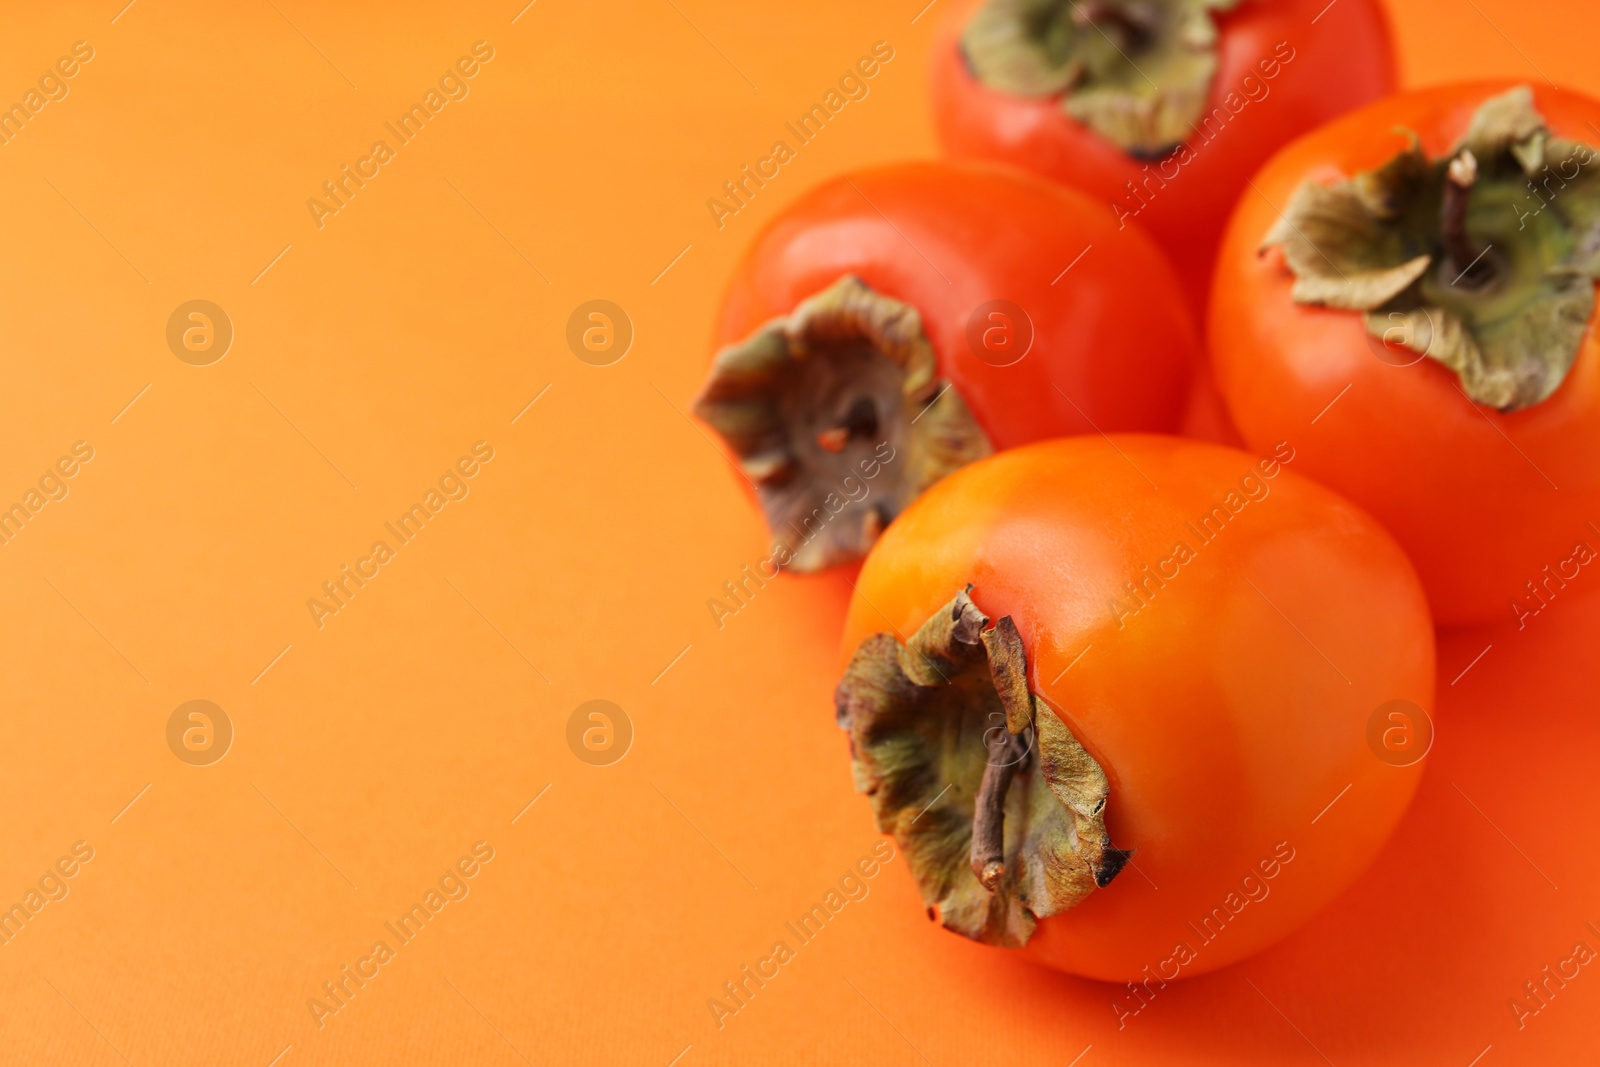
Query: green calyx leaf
<point x="1485" y="261"/>
<point x="839" y="419"/>
<point x="1137" y="72"/>
<point x="928" y="723"/>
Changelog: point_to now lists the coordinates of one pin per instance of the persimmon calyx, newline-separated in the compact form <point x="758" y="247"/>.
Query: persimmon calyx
<point x="1485" y="260"/>
<point x="1137" y="72"/>
<point x="838" y="417"/>
<point x="997" y="807"/>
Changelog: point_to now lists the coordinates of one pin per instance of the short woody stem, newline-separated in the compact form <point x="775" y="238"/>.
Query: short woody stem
<point x="1006" y="754"/>
<point x="1101" y="13"/>
<point x="1463" y="255"/>
<point x="861" y="421"/>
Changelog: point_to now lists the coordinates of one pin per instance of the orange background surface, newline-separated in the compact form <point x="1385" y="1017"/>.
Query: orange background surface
<point x="370" y="754"/>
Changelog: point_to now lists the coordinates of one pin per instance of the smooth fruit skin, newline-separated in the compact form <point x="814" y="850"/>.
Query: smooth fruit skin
<point x="1344" y="60"/>
<point x="1228" y="712"/>
<point x="1113" y="345"/>
<point x="1482" y="501"/>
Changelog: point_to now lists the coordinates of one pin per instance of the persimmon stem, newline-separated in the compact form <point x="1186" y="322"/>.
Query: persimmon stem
<point x="1007" y="751"/>
<point x="930" y="720"/>
<point x="860" y="421"/>
<point x="841" y="385"/>
<point x="1463" y="257"/>
<point x="1135" y="31"/>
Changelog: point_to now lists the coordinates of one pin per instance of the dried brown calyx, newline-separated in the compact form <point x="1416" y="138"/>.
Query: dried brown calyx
<point x="838" y="417"/>
<point x="997" y="807"/>
<point x="1137" y="72"/>
<point x="1485" y="260"/>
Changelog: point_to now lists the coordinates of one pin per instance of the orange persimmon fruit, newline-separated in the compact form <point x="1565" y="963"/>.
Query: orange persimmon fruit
<point x="1122" y="701"/>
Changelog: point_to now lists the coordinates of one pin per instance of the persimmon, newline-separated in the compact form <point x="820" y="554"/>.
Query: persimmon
<point x="1409" y="294"/>
<point x="894" y="324"/>
<point x="1161" y="110"/>
<point x="1114" y="697"/>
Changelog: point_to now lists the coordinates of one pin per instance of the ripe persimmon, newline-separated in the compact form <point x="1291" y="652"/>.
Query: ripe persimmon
<point x="1181" y="722"/>
<point x="1409" y="294"/>
<point x="893" y="324"/>
<point x="1159" y="109"/>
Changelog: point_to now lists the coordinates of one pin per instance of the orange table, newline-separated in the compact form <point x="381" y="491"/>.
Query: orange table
<point x="415" y="741"/>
